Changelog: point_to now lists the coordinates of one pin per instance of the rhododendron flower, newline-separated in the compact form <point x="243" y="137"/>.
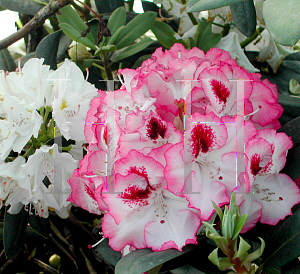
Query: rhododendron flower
<point x="72" y="96"/>
<point x="269" y="196"/>
<point x="144" y="214"/>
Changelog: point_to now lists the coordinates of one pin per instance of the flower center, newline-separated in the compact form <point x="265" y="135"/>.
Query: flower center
<point x="221" y="91"/>
<point x="155" y="128"/>
<point x="255" y="168"/>
<point x="161" y="208"/>
<point x="202" y="139"/>
<point x="265" y="194"/>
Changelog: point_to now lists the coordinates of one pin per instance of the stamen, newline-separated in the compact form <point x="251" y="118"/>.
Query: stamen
<point x="87" y="74"/>
<point x="120" y="79"/>
<point x="179" y="54"/>
<point x="19" y="65"/>
<point x="247" y="116"/>
<point x="92" y="246"/>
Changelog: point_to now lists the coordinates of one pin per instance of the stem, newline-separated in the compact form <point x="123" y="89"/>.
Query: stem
<point x="247" y="41"/>
<point x="107" y="68"/>
<point x="219" y="25"/>
<point x="193" y="19"/>
<point x="28" y="151"/>
<point x="35" y="22"/>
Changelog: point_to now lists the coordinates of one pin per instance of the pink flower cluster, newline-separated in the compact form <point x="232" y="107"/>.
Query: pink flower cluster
<point x="184" y="129"/>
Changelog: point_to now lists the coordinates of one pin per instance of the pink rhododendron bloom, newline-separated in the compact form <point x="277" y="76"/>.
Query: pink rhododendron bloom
<point x="184" y="129"/>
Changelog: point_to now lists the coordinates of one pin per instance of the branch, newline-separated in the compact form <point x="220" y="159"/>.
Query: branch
<point x="35" y="22"/>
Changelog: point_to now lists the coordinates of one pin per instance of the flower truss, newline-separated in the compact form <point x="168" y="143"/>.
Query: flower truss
<point x="35" y="104"/>
<point x="167" y="143"/>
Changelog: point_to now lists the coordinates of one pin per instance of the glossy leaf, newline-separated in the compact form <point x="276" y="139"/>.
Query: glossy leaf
<point x="107" y="253"/>
<point x="149" y="6"/>
<point x="164" y="34"/>
<point x="282" y="20"/>
<point x="199" y="5"/>
<point x="76" y="35"/>
<point x="116" y="20"/>
<point x="135" y="29"/>
<point x="22" y="6"/>
<point x="63" y="46"/>
<point x="70" y="16"/>
<point x="133" y="49"/>
<point x="205" y="38"/>
<point x="6" y="61"/>
<point x="187" y="269"/>
<point x="14" y="232"/>
<point x="292" y="129"/>
<point x="142" y="260"/>
<point x="48" y="48"/>
<point x="40" y="225"/>
<point x="284" y="243"/>
<point x="244" y="17"/>
<point x="104" y="6"/>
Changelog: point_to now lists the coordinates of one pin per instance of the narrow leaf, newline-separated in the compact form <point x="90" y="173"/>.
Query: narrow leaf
<point x="164" y="34"/>
<point x="239" y="226"/>
<point x="200" y="5"/>
<point x="135" y="29"/>
<point x="76" y="35"/>
<point x="256" y="254"/>
<point x="116" y="20"/>
<point x="133" y="49"/>
<point x="70" y="16"/>
<point x="40" y="225"/>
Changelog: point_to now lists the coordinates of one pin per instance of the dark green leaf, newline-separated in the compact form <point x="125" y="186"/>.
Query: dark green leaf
<point x="244" y="17"/>
<point x="292" y="267"/>
<point x="108" y="253"/>
<point x="87" y="63"/>
<point x="116" y="20"/>
<point x="104" y="6"/>
<point x="187" y="269"/>
<point x="48" y="48"/>
<point x="63" y="46"/>
<point x="6" y="61"/>
<point x="149" y="6"/>
<point x="22" y="6"/>
<point x="142" y="260"/>
<point x="69" y="16"/>
<point x="133" y="49"/>
<point x="206" y="39"/>
<point x="135" y="29"/>
<point x="40" y="225"/>
<point x="284" y="243"/>
<point x="2" y="8"/>
<point x="199" y="5"/>
<point x="28" y="56"/>
<point x="141" y="60"/>
<point x="164" y="34"/>
<point x="14" y="231"/>
<point x="292" y="129"/>
<point x="291" y="167"/>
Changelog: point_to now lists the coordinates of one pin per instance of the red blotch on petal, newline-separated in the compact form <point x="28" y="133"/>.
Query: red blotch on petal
<point x="202" y="139"/>
<point x="255" y="168"/>
<point x="220" y="90"/>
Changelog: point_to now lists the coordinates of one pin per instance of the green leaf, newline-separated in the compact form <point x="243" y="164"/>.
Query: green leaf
<point x="205" y="38"/>
<point x="70" y="16"/>
<point x="48" y="48"/>
<point x="292" y="129"/>
<point x="76" y="35"/>
<point x="135" y="29"/>
<point x="107" y="253"/>
<point x="2" y="8"/>
<point x="107" y="48"/>
<point x="22" y="6"/>
<point x="239" y="226"/>
<point x="221" y="263"/>
<point x="149" y="6"/>
<point x="87" y="63"/>
<point x="256" y="254"/>
<point x="14" y="231"/>
<point x="244" y="17"/>
<point x="284" y="243"/>
<point x="40" y="225"/>
<point x="242" y="251"/>
<point x="139" y="61"/>
<point x="104" y="6"/>
<point x="199" y="5"/>
<point x="164" y="34"/>
<point x="133" y="49"/>
<point x="282" y="20"/>
<point x="63" y="46"/>
<point x="218" y="210"/>
<point x="187" y="269"/>
<point x="142" y="260"/>
<point x="114" y="37"/>
<point x="210" y="228"/>
<point x="116" y="20"/>
<point x="6" y="61"/>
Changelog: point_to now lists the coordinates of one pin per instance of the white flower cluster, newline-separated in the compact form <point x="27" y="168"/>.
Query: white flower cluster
<point x="35" y="104"/>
